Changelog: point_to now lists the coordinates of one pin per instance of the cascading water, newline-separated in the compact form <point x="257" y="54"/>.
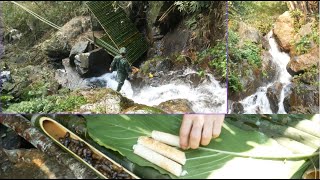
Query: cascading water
<point x="258" y="102"/>
<point x="207" y="97"/>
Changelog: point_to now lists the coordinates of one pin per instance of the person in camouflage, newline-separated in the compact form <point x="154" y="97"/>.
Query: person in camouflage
<point x="121" y="64"/>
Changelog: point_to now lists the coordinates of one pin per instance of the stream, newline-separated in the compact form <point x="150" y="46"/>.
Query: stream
<point x="258" y="102"/>
<point x="206" y="97"/>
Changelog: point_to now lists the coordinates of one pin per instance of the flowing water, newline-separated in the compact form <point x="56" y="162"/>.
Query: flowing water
<point x="258" y="102"/>
<point x="207" y="97"/>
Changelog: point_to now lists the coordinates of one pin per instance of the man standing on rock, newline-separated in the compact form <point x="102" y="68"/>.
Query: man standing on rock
<point x="121" y="64"/>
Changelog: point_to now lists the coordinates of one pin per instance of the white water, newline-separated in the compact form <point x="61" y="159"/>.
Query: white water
<point x="258" y="102"/>
<point x="207" y="97"/>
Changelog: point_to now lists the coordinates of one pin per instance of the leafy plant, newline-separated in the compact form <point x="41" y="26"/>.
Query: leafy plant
<point x="190" y="7"/>
<point x="232" y="148"/>
<point x="303" y="46"/>
<point x="48" y="104"/>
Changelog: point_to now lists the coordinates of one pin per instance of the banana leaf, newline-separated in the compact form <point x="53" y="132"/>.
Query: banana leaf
<point x="236" y="153"/>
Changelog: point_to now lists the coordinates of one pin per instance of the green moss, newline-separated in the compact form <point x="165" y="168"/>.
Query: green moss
<point x="144" y="109"/>
<point x="49" y="104"/>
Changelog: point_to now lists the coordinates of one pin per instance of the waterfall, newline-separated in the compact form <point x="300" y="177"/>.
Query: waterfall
<point x="207" y="97"/>
<point x="258" y="102"/>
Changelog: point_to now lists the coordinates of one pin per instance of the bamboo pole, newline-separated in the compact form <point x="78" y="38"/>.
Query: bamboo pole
<point x="24" y="128"/>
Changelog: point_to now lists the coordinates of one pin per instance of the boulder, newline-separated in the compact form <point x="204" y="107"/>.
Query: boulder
<point x="237" y="108"/>
<point x="68" y="77"/>
<point x="176" y="106"/>
<point x="248" y="33"/>
<point x="265" y="43"/>
<point x="79" y="47"/>
<point x="284" y="31"/>
<point x="104" y="100"/>
<point x="273" y="95"/>
<point x="303" y="99"/>
<point x="302" y="62"/>
<point x="305" y="29"/>
<point x="142" y="109"/>
<point x="59" y="45"/>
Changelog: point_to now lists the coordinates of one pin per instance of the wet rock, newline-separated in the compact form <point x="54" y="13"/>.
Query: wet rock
<point x="5" y="76"/>
<point x="248" y="33"/>
<point x="268" y="67"/>
<point x="302" y="62"/>
<point x="176" y="106"/>
<point x="265" y="43"/>
<point x="303" y="99"/>
<point x="237" y="108"/>
<point x="142" y="109"/>
<point x="284" y="31"/>
<point x="104" y="100"/>
<point x="93" y="63"/>
<point x="68" y="77"/>
<point x="286" y="104"/>
<point x="176" y="41"/>
<point x="273" y="95"/>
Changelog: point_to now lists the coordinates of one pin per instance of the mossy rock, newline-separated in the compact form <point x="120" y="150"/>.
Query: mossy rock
<point x="142" y="109"/>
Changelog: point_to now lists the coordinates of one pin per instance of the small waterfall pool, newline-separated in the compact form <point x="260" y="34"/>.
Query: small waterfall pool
<point x="207" y="97"/>
<point x="258" y="102"/>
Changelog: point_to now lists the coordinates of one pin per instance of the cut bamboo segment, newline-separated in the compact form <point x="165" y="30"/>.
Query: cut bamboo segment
<point x="163" y="149"/>
<point x="166" y="138"/>
<point x="159" y="160"/>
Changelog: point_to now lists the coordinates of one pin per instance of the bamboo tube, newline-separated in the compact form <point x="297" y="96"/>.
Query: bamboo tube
<point x="166" y="138"/>
<point x="286" y="131"/>
<point x="307" y="126"/>
<point x="159" y="160"/>
<point x="163" y="149"/>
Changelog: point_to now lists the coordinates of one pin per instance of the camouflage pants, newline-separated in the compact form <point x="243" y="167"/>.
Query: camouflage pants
<point x="120" y="78"/>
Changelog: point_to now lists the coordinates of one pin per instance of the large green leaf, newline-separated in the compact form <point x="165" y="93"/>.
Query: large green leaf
<point x="220" y="159"/>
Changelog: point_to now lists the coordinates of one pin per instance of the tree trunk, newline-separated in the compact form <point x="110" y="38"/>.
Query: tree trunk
<point x="24" y="128"/>
<point x="48" y="167"/>
<point x="307" y="7"/>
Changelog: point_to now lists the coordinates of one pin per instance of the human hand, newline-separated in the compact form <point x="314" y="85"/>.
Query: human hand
<point x="109" y="69"/>
<point x="199" y="129"/>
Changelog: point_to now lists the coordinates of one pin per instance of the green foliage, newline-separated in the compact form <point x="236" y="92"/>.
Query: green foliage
<point x="297" y="15"/>
<point x="190" y="7"/>
<point x="201" y="73"/>
<point x="249" y="52"/>
<point x="219" y="58"/>
<point x="309" y="76"/>
<point x="191" y="23"/>
<point x="58" y="12"/>
<point x="234" y="83"/>
<point x="260" y="15"/>
<point x="48" y="104"/>
<point x="303" y="46"/>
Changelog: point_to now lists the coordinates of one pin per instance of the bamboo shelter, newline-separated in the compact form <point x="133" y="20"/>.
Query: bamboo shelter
<point x="119" y="31"/>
